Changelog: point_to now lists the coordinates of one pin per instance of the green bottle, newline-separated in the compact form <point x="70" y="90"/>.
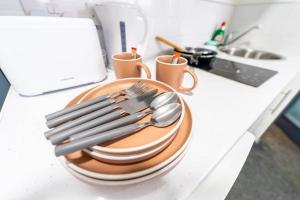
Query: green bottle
<point x="219" y="34"/>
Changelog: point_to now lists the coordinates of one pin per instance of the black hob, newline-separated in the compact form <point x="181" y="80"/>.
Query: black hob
<point x="243" y="73"/>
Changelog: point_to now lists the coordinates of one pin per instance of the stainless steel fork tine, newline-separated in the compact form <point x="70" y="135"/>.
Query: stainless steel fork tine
<point x="138" y="84"/>
<point x="143" y="88"/>
<point x="137" y="89"/>
<point x="131" y="90"/>
<point x="147" y="88"/>
<point x="135" y="85"/>
<point x="137" y="92"/>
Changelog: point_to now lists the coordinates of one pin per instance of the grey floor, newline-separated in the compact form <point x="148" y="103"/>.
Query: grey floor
<point x="272" y="170"/>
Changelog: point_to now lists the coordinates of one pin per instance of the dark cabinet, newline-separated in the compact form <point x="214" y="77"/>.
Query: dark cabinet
<point x="289" y="121"/>
<point x="4" y="86"/>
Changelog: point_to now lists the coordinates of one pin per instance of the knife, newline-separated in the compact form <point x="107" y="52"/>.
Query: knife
<point x="78" y="113"/>
<point x="123" y="121"/>
<point x="102" y="116"/>
<point x="77" y="107"/>
<point x="83" y="111"/>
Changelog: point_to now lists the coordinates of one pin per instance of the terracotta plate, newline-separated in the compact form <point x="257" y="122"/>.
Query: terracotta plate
<point x="143" y="140"/>
<point x="88" y="166"/>
<point x="100" y="182"/>
<point x="127" y="159"/>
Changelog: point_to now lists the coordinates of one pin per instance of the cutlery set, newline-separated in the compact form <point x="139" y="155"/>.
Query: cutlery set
<point x="159" y="101"/>
<point x="110" y="116"/>
<point x="104" y="115"/>
<point x="135" y="90"/>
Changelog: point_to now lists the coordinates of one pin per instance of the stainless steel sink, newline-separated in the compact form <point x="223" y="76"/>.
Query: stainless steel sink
<point x="250" y="53"/>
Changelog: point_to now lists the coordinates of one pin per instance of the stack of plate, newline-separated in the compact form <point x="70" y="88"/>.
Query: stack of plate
<point x="146" y="154"/>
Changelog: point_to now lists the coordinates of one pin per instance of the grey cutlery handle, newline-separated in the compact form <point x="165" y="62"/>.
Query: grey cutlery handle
<point x="96" y="139"/>
<point x="78" y="113"/>
<point x="61" y="136"/>
<point x="129" y="119"/>
<point x="81" y="120"/>
<point x="77" y="107"/>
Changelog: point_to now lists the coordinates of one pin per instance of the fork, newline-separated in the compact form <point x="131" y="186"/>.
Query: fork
<point x="137" y="90"/>
<point x="134" y="90"/>
<point x="110" y="98"/>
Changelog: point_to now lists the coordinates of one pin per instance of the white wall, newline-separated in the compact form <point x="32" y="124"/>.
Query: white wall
<point x="10" y="7"/>
<point x="281" y="25"/>
<point x="186" y="22"/>
<point x="191" y="22"/>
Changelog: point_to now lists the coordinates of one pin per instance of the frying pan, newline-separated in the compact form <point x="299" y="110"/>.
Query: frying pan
<point x="197" y="56"/>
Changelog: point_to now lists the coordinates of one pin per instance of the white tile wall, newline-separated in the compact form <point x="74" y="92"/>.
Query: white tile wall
<point x="71" y="8"/>
<point x="10" y="7"/>
<point x="281" y="26"/>
<point x="186" y="22"/>
<point x="191" y="22"/>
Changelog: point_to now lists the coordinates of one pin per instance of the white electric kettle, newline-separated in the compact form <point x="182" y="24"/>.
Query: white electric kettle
<point x="124" y="26"/>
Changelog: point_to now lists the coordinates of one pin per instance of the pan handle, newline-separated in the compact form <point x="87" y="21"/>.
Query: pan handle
<point x="171" y="44"/>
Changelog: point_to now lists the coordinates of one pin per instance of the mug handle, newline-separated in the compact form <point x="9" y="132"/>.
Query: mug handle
<point x="145" y="68"/>
<point x="195" y="80"/>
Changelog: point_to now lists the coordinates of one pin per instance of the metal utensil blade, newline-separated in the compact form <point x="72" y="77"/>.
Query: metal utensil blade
<point x="144" y="96"/>
<point x="137" y="104"/>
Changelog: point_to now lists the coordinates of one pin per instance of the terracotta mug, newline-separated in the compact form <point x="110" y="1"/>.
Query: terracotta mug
<point x="127" y="67"/>
<point x="172" y="74"/>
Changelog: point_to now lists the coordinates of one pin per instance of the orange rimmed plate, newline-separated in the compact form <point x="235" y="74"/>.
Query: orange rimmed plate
<point x="144" y="140"/>
<point x="100" y="182"/>
<point x="127" y="159"/>
<point x="88" y="166"/>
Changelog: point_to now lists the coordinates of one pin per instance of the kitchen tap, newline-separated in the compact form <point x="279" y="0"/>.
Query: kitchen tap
<point x="228" y="39"/>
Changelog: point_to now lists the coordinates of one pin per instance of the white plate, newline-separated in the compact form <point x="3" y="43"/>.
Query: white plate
<point x="127" y="159"/>
<point x="133" y="150"/>
<point x="128" y="175"/>
<point x="100" y="182"/>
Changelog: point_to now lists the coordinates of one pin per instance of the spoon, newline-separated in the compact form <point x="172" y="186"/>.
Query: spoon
<point x="163" y="99"/>
<point x="162" y="117"/>
<point x="160" y="100"/>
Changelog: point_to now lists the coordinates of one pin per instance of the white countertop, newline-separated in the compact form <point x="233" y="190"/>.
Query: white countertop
<point x="218" y="183"/>
<point x="222" y="109"/>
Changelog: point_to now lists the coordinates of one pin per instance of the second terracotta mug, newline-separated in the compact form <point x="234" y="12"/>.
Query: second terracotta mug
<point x="127" y="67"/>
<point x="172" y="74"/>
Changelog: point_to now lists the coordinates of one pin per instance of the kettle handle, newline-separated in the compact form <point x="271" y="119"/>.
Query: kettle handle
<point x="145" y="23"/>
